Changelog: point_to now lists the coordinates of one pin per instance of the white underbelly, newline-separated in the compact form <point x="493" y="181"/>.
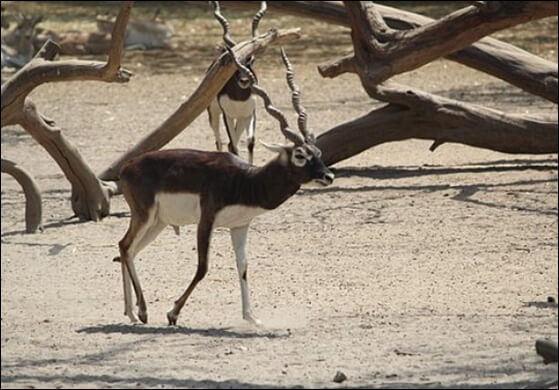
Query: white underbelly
<point x="184" y="209"/>
<point x="236" y="108"/>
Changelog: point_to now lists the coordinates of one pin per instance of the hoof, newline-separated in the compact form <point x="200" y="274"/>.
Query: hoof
<point x="171" y="318"/>
<point x="143" y="317"/>
<point x="253" y="320"/>
<point x="132" y="317"/>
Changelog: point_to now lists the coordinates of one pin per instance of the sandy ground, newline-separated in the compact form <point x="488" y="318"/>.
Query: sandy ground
<point x="414" y="269"/>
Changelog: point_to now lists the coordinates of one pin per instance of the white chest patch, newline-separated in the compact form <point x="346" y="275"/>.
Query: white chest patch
<point x="237" y="109"/>
<point x="184" y="209"/>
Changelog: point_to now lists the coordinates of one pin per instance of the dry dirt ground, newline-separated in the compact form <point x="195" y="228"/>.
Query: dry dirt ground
<point x="414" y="269"/>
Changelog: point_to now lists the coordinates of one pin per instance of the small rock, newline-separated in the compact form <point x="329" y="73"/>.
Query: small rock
<point x="339" y="377"/>
<point x="550" y="300"/>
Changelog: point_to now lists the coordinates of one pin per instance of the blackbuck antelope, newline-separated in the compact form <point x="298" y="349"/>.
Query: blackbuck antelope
<point x="212" y="189"/>
<point x="235" y="101"/>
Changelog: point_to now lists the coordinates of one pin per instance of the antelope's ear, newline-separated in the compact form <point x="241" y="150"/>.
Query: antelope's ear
<point x="276" y="148"/>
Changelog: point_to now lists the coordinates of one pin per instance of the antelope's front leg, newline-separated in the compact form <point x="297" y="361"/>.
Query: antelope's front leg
<point x="239" y="239"/>
<point x="214" y="112"/>
<point x="203" y="234"/>
<point x="248" y="124"/>
<point x="231" y="134"/>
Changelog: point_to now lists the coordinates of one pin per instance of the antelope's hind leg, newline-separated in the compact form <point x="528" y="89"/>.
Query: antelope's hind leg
<point x="140" y="233"/>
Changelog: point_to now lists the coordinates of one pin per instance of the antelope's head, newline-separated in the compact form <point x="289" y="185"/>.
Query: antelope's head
<point x="303" y="158"/>
<point x="242" y="80"/>
<point x="22" y="35"/>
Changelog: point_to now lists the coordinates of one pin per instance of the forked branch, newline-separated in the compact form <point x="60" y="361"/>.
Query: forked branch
<point x="385" y="52"/>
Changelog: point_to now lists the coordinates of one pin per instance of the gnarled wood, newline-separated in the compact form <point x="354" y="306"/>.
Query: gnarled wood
<point x="386" y="52"/>
<point x="416" y="114"/>
<point x="215" y="79"/>
<point x="33" y="203"/>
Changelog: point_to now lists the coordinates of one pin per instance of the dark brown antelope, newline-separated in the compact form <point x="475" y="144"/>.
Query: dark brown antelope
<point x="212" y="189"/>
<point x="235" y="101"/>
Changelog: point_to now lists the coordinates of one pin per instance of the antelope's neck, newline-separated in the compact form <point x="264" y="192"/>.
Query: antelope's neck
<point x="270" y="185"/>
<point x="234" y="92"/>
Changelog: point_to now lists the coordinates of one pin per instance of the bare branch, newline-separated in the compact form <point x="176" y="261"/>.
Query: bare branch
<point x="337" y="67"/>
<point x="117" y="38"/>
<point x="383" y="52"/>
<point x="90" y="199"/>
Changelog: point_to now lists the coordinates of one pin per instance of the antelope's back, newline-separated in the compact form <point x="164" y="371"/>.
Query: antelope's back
<point x="180" y="170"/>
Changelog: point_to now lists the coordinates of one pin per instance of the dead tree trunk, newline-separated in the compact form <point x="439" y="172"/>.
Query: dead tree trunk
<point x="381" y="52"/>
<point x="33" y="205"/>
<point x="90" y="196"/>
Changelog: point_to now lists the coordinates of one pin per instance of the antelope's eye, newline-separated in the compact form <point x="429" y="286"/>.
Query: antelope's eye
<point x="299" y="158"/>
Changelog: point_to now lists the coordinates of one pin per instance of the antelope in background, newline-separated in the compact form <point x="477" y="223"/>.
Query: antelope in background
<point x="140" y="34"/>
<point x="212" y="189"/>
<point x="17" y="45"/>
<point x="3" y="19"/>
<point x="235" y="101"/>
